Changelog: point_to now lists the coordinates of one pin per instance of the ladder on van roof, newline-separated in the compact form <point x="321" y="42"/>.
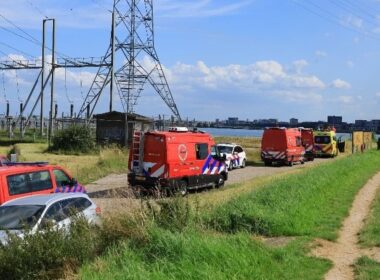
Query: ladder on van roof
<point x="138" y="151"/>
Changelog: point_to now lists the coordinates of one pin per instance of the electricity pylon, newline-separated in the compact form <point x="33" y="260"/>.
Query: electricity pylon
<point x="132" y="58"/>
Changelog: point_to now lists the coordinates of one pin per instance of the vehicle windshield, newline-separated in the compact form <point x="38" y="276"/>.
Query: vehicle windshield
<point x="225" y="149"/>
<point x="322" y="139"/>
<point x="17" y="217"/>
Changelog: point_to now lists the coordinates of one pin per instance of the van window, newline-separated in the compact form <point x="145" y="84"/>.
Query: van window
<point x="322" y="139"/>
<point x="238" y="149"/>
<point x="61" y="178"/>
<point x="29" y="182"/>
<point x="201" y="151"/>
<point x="298" y="141"/>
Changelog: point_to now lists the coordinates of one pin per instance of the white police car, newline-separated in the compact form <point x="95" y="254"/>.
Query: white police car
<point x="235" y="155"/>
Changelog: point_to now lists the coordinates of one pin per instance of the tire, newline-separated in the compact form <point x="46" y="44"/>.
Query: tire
<point x="302" y="162"/>
<point x="220" y="182"/>
<point x="230" y="166"/>
<point x="267" y="163"/>
<point x="182" y="188"/>
<point x="243" y="163"/>
<point x="290" y="163"/>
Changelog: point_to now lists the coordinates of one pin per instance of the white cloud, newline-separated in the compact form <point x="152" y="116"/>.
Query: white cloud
<point x="350" y="64"/>
<point x="340" y="84"/>
<point x="352" y="21"/>
<point x="320" y="53"/>
<point x="262" y="75"/>
<point x="29" y="13"/>
<point x="346" y="99"/>
<point x="300" y="64"/>
<point x="198" y="8"/>
<point x="96" y="13"/>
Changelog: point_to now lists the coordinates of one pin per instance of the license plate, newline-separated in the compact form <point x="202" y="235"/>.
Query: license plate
<point x="140" y="178"/>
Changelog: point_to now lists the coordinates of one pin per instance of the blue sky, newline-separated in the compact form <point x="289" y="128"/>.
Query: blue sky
<point x="249" y="58"/>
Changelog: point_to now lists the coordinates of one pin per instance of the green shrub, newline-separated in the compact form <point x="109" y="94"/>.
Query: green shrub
<point x="48" y="255"/>
<point x="74" y="139"/>
<point x="14" y="150"/>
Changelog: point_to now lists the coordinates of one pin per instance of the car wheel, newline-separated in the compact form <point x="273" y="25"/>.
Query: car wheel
<point x="220" y="182"/>
<point x="182" y="188"/>
<point x="290" y="163"/>
<point x="243" y="163"/>
<point x="230" y="166"/>
<point x="267" y="163"/>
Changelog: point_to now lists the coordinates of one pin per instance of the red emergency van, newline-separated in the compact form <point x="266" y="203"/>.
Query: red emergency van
<point x="24" y="179"/>
<point x="307" y="137"/>
<point x="282" y="145"/>
<point x="175" y="160"/>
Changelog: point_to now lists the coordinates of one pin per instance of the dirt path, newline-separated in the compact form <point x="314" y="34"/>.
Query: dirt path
<point x="345" y="251"/>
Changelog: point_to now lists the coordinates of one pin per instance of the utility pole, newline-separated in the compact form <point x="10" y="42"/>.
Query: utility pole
<point x="132" y="41"/>
<point x="52" y="85"/>
<point x="42" y="79"/>
<point x="112" y="85"/>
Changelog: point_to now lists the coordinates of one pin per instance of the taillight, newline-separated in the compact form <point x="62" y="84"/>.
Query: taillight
<point x="98" y="211"/>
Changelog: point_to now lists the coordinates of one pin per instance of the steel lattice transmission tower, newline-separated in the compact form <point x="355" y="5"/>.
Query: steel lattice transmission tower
<point x="132" y="45"/>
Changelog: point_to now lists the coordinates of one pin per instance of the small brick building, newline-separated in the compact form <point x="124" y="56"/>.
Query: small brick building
<point x="112" y="127"/>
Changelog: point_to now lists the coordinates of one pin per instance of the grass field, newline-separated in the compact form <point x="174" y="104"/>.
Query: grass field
<point x="311" y="203"/>
<point x="192" y="255"/>
<point x="222" y="243"/>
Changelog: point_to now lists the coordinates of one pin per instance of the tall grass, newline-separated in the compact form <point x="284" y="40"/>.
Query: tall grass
<point x="366" y="269"/>
<point x="193" y="255"/>
<point x="311" y="203"/>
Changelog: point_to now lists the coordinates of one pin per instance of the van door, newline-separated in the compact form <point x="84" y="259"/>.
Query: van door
<point x="154" y="158"/>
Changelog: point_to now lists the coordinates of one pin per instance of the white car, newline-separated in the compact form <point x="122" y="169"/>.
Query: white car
<point x="36" y="211"/>
<point x="235" y="155"/>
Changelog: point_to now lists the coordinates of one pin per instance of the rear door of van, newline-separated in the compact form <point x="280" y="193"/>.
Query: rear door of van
<point x="155" y="155"/>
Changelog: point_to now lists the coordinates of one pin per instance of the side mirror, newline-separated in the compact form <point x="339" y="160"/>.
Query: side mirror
<point x="73" y="182"/>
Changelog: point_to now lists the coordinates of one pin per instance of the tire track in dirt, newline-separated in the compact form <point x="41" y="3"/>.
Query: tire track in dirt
<point x="345" y="251"/>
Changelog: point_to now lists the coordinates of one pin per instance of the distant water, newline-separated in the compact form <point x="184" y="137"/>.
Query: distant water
<point x="250" y="132"/>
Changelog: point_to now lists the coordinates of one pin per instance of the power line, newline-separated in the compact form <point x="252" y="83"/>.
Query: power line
<point x="36" y="8"/>
<point x="19" y="28"/>
<point x="327" y="15"/>
<point x="17" y="50"/>
<point x="344" y="6"/>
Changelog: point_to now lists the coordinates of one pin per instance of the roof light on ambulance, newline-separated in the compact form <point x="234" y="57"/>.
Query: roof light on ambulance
<point x="178" y="129"/>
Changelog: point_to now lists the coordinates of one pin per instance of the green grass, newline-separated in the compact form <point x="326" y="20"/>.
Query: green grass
<point x="370" y="234"/>
<point x="367" y="269"/>
<point x="312" y="203"/>
<point x="191" y="255"/>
